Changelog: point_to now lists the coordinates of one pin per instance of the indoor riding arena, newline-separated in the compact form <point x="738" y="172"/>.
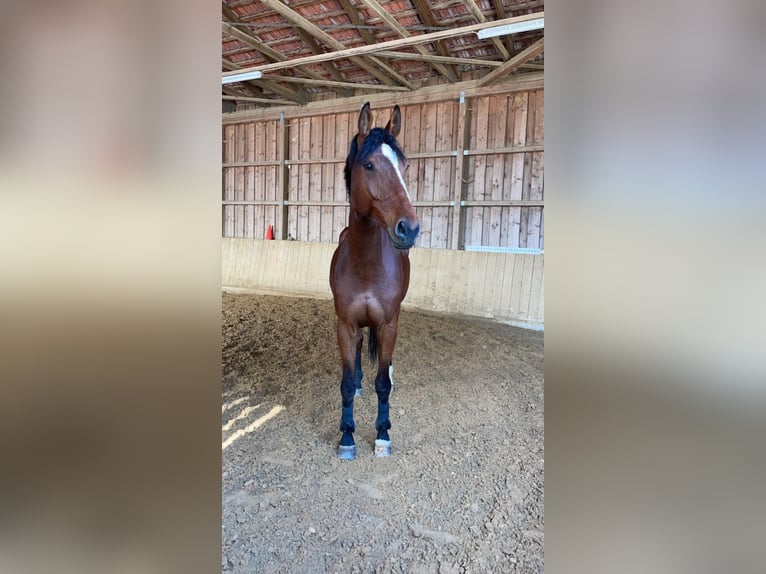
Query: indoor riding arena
<point x="463" y="487"/>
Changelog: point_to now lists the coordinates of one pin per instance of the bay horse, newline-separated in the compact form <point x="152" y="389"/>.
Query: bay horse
<point x="370" y="269"/>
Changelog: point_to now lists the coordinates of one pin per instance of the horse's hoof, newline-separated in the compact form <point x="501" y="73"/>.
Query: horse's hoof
<point x="382" y="448"/>
<point x="358" y="393"/>
<point x="347" y="452"/>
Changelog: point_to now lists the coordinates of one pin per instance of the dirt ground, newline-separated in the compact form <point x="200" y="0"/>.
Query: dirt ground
<point x="463" y="491"/>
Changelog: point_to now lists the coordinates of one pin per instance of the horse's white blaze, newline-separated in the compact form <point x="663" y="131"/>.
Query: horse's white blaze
<point x="391" y="156"/>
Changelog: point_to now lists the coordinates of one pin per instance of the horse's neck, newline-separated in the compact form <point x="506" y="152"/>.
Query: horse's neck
<point x="368" y="235"/>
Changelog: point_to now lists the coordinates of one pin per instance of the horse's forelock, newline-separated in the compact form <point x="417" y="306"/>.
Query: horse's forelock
<point x="376" y="138"/>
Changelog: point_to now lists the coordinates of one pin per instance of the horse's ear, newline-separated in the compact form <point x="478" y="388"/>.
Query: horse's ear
<point x="394" y="125"/>
<point x="365" y="120"/>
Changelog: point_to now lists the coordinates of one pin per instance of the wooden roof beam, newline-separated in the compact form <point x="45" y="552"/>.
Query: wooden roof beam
<point x="442" y="59"/>
<point x="331" y="83"/>
<point x="515" y="62"/>
<point x="371" y="65"/>
<point x="393" y="23"/>
<point x="390" y="45"/>
<point x="299" y="96"/>
<point x="238" y="98"/>
<point x="500" y="12"/>
<point x="356" y="20"/>
<point x="329" y="66"/>
<point x="479" y="15"/>
<point x="247" y="39"/>
<point x="427" y="17"/>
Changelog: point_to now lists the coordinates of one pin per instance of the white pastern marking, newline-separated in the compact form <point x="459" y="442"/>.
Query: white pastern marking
<point x="391" y="375"/>
<point x="391" y="156"/>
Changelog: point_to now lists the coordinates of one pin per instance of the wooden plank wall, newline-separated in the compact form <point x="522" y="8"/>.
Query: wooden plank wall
<point x="496" y="201"/>
<point x="502" y="286"/>
<point x="512" y="123"/>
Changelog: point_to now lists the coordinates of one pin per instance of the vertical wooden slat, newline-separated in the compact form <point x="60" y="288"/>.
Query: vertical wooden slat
<point x="496" y="138"/>
<point x="536" y="176"/>
<point x="469" y="171"/>
<point x="443" y="175"/>
<point x="527" y="181"/>
<point x="328" y="178"/>
<point x="342" y="141"/>
<point x="304" y="178"/>
<point x="260" y="180"/>
<point x="315" y="179"/>
<point x="228" y="188"/>
<point x="283" y="177"/>
<point x="458" y="226"/>
<point x="478" y="233"/>
<point x="250" y="194"/>
<point x="293" y="173"/>
<point x="505" y="218"/>
<point x="520" y="104"/>
<point x="411" y="143"/>
<point x="273" y="191"/>
<point x="239" y="182"/>
<point x="428" y="135"/>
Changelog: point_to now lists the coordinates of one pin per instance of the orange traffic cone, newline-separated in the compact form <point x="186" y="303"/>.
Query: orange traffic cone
<point x="270" y="232"/>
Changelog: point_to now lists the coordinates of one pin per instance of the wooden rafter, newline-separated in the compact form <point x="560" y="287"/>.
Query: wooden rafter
<point x="500" y="12"/>
<point x="371" y="65"/>
<point x="479" y="15"/>
<point x="308" y="39"/>
<point x="297" y="96"/>
<point x="248" y="40"/>
<point x="334" y="84"/>
<point x="402" y="31"/>
<point x="390" y="45"/>
<point x="234" y="93"/>
<point x="238" y="98"/>
<point x="268" y="53"/>
<point x="515" y="62"/>
<point x="353" y="15"/>
<point x="427" y="17"/>
<point x="442" y="59"/>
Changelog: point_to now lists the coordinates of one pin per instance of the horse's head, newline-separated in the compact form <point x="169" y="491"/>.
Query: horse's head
<point x="374" y="173"/>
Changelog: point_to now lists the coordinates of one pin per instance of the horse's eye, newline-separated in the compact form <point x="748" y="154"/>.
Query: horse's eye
<point x="368" y="166"/>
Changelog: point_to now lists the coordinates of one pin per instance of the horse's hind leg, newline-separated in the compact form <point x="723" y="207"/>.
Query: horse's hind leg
<point x="358" y="369"/>
<point x="386" y="340"/>
<point x="347" y="342"/>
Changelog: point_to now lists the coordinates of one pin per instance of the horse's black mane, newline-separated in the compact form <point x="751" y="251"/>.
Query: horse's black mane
<point x="376" y="138"/>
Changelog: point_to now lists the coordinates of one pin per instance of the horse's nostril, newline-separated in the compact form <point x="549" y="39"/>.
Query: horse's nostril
<point x="401" y="229"/>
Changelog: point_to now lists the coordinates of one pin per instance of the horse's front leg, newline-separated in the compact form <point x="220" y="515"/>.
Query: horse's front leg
<point x="383" y="384"/>
<point x="348" y="339"/>
<point x="358" y="369"/>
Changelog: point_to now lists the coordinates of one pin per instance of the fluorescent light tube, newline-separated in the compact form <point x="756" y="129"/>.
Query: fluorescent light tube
<point x="536" y="24"/>
<point x="255" y="75"/>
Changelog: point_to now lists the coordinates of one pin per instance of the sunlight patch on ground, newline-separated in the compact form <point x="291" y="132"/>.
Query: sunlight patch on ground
<point x="233" y="403"/>
<point x="245" y="412"/>
<point x="252" y="426"/>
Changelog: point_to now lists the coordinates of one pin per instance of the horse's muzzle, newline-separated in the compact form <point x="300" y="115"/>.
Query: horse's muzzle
<point x="405" y="233"/>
